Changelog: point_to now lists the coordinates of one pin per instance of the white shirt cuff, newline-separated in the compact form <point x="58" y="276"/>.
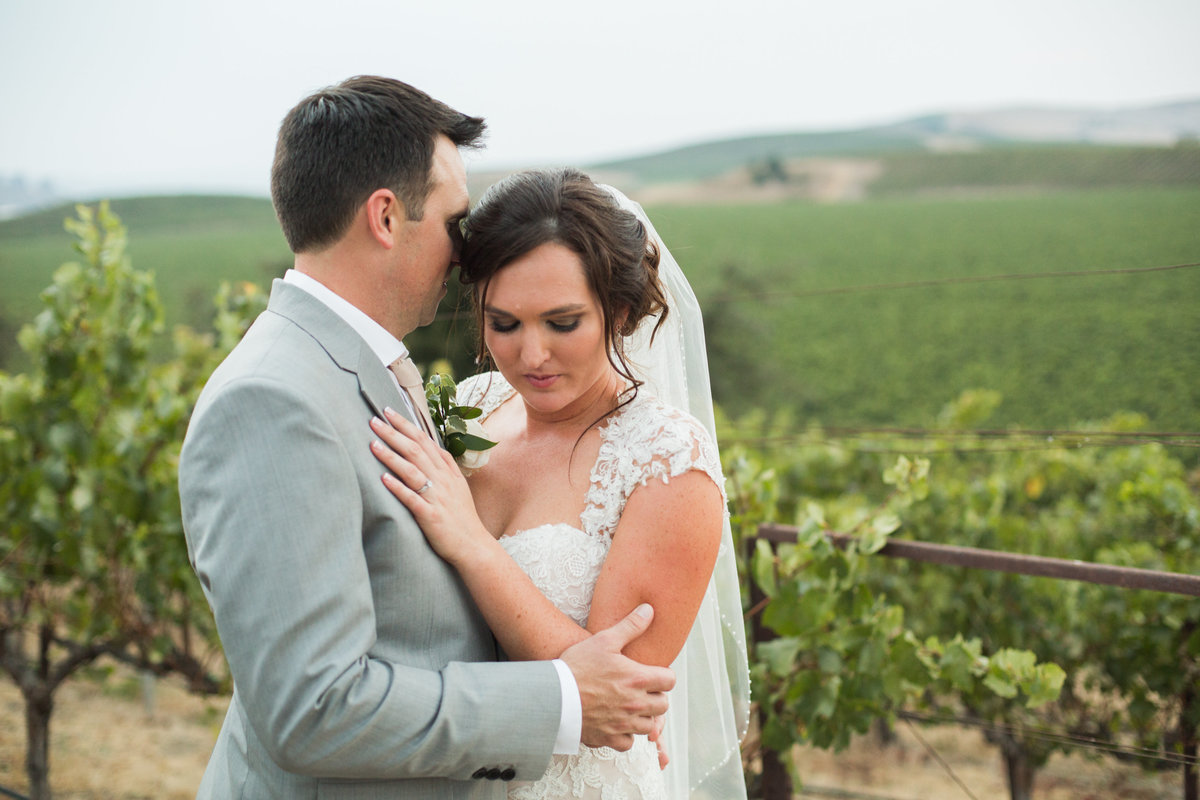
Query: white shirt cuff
<point x="570" y="725"/>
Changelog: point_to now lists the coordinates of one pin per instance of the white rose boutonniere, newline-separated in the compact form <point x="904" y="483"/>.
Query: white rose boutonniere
<point x="462" y="434"/>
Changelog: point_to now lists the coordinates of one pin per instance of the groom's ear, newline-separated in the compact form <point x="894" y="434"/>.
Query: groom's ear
<point x="385" y="215"/>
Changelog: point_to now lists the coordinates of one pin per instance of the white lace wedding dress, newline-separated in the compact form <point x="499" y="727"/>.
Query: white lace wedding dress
<point x="645" y="440"/>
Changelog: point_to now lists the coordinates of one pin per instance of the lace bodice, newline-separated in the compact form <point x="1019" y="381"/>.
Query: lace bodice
<point x="644" y="440"/>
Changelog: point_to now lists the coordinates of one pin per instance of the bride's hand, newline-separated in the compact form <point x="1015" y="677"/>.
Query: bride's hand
<point x="425" y="478"/>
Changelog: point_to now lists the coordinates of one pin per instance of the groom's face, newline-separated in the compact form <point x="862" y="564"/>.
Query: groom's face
<point x="428" y="248"/>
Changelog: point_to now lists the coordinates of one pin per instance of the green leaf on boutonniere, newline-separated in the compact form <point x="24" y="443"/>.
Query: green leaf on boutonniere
<point x="474" y="442"/>
<point x="458" y="437"/>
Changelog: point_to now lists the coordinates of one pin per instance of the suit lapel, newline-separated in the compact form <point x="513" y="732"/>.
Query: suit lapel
<point x="345" y="347"/>
<point x="376" y="387"/>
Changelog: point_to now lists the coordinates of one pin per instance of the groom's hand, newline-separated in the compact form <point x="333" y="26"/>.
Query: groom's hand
<point x="620" y="697"/>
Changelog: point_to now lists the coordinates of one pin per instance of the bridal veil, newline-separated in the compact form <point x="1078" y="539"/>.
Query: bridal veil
<point x="710" y="704"/>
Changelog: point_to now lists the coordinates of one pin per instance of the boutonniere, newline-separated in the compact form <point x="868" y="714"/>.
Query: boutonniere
<point x="462" y="433"/>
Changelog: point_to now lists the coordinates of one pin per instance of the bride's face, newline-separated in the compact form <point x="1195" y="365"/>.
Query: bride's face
<point x="545" y="331"/>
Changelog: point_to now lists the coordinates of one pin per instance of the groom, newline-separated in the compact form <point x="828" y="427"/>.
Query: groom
<point x="361" y="667"/>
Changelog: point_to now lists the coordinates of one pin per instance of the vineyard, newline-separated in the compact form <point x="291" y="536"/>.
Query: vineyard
<point x="1014" y="373"/>
<point x="1131" y="658"/>
<point x="873" y="313"/>
<point x="879" y="313"/>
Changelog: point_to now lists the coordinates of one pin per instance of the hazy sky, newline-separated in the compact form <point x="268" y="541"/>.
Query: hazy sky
<point x="165" y="95"/>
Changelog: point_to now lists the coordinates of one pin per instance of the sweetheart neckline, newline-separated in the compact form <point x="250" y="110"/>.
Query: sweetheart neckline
<point x="566" y="525"/>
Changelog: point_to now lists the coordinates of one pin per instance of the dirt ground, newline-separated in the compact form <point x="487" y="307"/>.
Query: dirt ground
<point x="905" y="770"/>
<point x="106" y="746"/>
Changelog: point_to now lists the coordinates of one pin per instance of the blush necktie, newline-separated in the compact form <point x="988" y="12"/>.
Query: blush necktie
<point x="410" y="380"/>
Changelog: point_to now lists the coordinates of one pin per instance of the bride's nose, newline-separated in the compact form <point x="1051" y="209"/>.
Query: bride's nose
<point x="534" y="352"/>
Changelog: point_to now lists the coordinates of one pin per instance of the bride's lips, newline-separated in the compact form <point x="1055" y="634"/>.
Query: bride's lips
<point x="541" y="381"/>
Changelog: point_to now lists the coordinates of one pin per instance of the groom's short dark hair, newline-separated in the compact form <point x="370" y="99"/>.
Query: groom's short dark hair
<point x="340" y="144"/>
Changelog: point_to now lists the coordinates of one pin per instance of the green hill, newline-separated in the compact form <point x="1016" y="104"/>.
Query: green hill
<point x="1051" y="167"/>
<point x="1037" y="128"/>
<point x="907" y="165"/>
<point x="151" y="215"/>
<point x="709" y="159"/>
<point x="191" y="243"/>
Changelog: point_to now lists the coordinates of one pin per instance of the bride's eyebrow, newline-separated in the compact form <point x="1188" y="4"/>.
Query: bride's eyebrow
<point x="572" y="308"/>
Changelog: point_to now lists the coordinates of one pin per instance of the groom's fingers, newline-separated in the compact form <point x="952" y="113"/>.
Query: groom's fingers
<point x="651" y="680"/>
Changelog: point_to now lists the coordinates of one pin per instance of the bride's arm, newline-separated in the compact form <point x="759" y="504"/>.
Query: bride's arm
<point x="662" y="553"/>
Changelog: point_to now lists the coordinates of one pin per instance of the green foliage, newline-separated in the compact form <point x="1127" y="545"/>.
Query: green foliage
<point x="194" y="243"/>
<point x="92" y="555"/>
<point x="451" y="419"/>
<point x="1131" y="653"/>
<point x="1130" y="660"/>
<point x="841" y="654"/>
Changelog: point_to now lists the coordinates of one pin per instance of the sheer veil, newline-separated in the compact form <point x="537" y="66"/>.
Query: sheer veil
<point x="710" y="704"/>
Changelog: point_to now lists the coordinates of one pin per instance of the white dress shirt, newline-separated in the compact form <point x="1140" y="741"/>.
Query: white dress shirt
<point x="388" y="348"/>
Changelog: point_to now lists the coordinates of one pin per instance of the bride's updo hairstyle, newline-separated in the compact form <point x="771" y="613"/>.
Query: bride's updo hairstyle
<point x="528" y="209"/>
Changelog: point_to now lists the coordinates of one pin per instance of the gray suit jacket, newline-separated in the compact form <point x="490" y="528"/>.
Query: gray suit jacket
<point x="354" y="649"/>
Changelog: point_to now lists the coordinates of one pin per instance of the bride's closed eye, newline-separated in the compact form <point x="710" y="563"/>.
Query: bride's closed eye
<point x="501" y="325"/>
<point x="563" y="326"/>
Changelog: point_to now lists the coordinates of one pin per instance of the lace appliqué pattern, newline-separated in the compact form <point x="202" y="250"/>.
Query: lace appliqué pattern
<point x="642" y="441"/>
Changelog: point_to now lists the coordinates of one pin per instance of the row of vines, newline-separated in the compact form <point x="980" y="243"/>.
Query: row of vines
<point x="1058" y="664"/>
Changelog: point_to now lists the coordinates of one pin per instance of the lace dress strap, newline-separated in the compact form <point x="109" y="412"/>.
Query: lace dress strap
<point x="487" y="391"/>
<point x="644" y="440"/>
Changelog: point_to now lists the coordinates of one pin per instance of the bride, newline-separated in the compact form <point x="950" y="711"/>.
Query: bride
<point x="605" y="488"/>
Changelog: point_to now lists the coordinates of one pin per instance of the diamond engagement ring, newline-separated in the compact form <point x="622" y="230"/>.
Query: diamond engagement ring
<point x="425" y="487"/>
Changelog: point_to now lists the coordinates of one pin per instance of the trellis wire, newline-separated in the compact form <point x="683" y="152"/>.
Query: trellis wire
<point x="1058" y="737"/>
<point x="938" y="757"/>
<point x="864" y="443"/>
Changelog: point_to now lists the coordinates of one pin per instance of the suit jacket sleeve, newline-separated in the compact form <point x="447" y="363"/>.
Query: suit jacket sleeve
<point x="273" y="509"/>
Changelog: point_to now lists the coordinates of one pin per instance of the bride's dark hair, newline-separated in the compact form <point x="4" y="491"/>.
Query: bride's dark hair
<point x="535" y="207"/>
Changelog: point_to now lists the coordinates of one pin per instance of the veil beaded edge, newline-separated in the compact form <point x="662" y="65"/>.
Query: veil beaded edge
<point x="712" y="692"/>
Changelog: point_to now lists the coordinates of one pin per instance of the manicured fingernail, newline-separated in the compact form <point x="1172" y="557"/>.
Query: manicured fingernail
<point x="644" y="611"/>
